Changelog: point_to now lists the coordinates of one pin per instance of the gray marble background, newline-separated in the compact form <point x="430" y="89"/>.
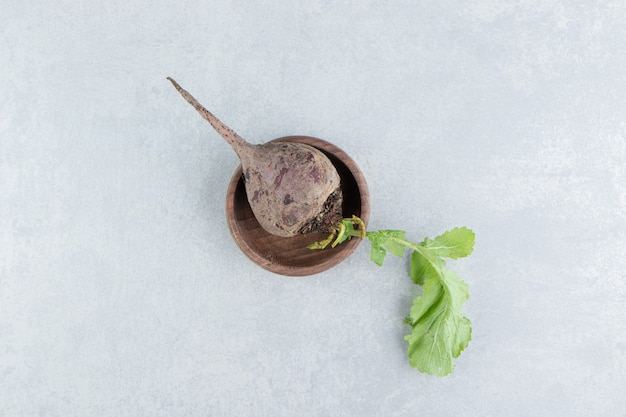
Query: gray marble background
<point x="123" y="294"/>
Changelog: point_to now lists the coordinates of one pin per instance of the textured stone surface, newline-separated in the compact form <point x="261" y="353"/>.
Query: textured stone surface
<point x="122" y="293"/>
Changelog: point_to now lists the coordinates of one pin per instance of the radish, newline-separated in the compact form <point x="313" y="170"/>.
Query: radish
<point x="292" y="188"/>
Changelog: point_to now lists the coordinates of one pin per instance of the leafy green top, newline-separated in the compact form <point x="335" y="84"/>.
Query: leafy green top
<point x="439" y="330"/>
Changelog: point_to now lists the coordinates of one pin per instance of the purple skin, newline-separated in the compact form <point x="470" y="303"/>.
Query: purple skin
<point x="292" y="188"/>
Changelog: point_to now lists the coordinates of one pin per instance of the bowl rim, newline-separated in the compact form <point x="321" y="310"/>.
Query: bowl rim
<point x="291" y="270"/>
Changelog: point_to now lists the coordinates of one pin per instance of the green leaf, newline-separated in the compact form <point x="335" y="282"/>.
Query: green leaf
<point x="396" y="248"/>
<point x="422" y="266"/>
<point x="378" y="254"/>
<point x="455" y="243"/>
<point x="386" y="240"/>
<point x="349" y="225"/>
<point x="440" y="331"/>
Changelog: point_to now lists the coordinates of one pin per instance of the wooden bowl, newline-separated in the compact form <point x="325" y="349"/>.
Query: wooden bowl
<point x="290" y="256"/>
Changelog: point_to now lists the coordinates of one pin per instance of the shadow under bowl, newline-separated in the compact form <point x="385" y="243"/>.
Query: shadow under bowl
<point x="290" y="256"/>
